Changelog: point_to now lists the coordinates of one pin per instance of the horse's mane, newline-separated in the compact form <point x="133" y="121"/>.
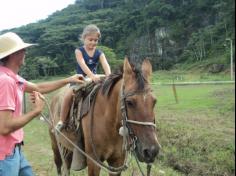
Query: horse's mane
<point x="110" y="82"/>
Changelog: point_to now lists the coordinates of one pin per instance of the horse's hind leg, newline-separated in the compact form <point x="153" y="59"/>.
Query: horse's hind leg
<point x="56" y="154"/>
<point x="68" y="160"/>
<point x="59" y="163"/>
<point x="57" y="160"/>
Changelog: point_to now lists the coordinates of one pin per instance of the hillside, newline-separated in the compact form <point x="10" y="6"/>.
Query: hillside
<point x="169" y="32"/>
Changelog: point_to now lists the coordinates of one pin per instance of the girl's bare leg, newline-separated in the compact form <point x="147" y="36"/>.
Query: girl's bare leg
<point x="65" y="107"/>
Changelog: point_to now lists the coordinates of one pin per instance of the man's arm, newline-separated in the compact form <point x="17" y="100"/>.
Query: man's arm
<point x="9" y="124"/>
<point x="47" y="87"/>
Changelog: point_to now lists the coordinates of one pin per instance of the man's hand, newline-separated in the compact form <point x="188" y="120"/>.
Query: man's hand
<point x="77" y="78"/>
<point x="37" y="100"/>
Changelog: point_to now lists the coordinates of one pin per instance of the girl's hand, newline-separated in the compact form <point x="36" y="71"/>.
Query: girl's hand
<point x="37" y="100"/>
<point x="77" y="78"/>
<point x="95" y="78"/>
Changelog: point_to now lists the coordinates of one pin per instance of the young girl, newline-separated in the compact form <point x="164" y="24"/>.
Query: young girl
<point x="88" y="58"/>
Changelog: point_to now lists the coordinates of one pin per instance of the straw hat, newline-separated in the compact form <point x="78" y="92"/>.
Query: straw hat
<point x="11" y="43"/>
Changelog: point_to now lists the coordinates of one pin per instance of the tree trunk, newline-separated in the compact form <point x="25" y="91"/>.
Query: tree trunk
<point x="102" y="4"/>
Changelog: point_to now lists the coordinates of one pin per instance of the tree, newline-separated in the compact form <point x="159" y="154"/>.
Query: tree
<point x="196" y="29"/>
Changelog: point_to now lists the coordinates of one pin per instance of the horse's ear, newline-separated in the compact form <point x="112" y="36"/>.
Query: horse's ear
<point x="147" y="69"/>
<point x="128" y="71"/>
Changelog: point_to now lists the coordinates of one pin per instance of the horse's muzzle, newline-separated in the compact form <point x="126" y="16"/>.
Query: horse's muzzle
<point x="147" y="153"/>
<point x="150" y="153"/>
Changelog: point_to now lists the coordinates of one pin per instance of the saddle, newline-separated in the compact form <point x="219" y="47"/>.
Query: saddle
<point x="85" y="94"/>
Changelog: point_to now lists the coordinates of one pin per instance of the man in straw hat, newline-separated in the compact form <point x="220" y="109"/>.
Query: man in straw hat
<point x="12" y="87"/>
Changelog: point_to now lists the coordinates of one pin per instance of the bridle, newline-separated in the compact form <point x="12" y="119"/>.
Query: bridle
<point x="125" y="120"/>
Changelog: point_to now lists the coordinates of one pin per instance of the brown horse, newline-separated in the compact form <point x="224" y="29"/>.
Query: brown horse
<point x="124" y="102"/>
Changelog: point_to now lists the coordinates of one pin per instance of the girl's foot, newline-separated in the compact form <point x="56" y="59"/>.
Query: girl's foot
<point x="59" y="126"/>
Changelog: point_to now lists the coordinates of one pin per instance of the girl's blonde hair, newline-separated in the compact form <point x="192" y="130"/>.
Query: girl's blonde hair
<point x="90" y="29"/>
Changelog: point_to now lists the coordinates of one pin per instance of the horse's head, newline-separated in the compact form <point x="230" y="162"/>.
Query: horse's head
<point x="140" y="102"/>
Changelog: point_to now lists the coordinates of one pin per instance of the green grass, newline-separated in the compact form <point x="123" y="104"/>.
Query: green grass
<point x="197" y="134"/>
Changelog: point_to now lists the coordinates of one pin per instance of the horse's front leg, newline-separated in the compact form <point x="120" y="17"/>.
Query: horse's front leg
<point x="116" y="163"/>
<point x="93" y="170"/>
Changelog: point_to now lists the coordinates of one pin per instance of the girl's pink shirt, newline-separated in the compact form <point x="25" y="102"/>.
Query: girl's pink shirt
<point x="12" y="88"/>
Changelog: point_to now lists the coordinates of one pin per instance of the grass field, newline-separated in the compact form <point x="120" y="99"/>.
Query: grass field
<point x="197" y="134"/>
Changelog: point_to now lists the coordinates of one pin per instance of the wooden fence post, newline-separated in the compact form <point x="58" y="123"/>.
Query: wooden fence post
<point x="175" y="93"/>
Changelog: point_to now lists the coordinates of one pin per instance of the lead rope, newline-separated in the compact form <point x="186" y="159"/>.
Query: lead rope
<point x="51" y="123"/>
<point x="149" y="167"/>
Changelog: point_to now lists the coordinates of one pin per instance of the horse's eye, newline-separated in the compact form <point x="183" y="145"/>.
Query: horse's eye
<point x="130" y="103"/>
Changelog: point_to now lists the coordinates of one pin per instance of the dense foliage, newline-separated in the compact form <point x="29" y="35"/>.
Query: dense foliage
<point x="167" y="31"/>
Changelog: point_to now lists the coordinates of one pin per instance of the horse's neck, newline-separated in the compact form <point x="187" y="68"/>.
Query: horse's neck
<point x="116" y="95"/>
<point x="113" y="105"/>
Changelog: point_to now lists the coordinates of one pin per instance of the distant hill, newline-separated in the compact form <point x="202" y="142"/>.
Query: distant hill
<point x="169" y="32"/>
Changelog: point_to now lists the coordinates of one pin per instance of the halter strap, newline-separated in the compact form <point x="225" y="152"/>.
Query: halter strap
<point x="124" y="109"/>
<point x="142" y="123"/>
